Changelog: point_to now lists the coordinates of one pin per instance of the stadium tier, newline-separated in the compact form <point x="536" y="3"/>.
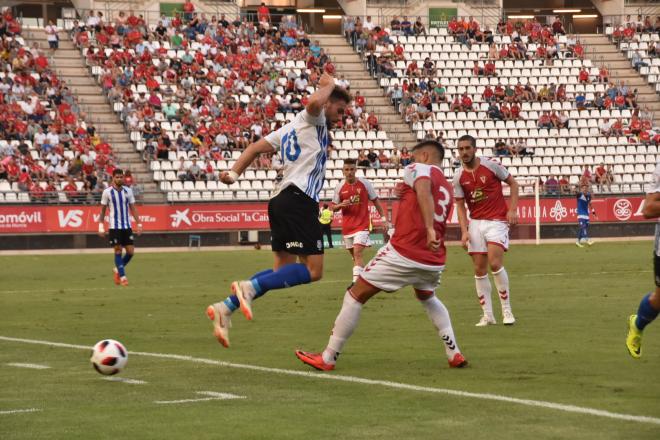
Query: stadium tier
<point x="192" y="95"/>
<point x="532" y="91"/>
<point x="48" y="152"/>
<point x="639" y="43"/>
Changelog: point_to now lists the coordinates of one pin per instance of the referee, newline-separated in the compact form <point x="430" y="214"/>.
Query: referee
<point x="325" y="218"/>
<point x="296" y="237"/>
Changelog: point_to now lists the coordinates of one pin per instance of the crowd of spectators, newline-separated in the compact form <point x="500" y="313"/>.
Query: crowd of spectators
<point x="47" y="145"/>
<point x="208" y="85"/>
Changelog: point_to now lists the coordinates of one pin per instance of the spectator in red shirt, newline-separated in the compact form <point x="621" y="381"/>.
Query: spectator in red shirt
<point x="583" y="76"/>
<point x="359" y="100"/>
<point x="466" y="102"/>
<point x="489" y="68"/>
<point x="373" y="121"/>
<point x="263" y="13"/>
<point x="188" y="10"/>
<point x="488" y="94"/>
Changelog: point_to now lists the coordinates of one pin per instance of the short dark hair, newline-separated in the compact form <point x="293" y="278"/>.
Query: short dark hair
<point x="325" y="206"/>
<point x="117" y="172"/>
<point x="340" y="94"/>
<point x="437" y="145"/>
<point x="467" y="137"/>
<point x="350" y="162"/>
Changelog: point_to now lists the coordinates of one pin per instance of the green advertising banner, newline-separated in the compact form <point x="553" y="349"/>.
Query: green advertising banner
<point x="168" y="9"/>
<point x="440" y="17"/>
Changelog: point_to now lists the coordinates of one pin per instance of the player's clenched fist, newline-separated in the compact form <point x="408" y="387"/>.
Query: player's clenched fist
<point x="431" y="242"/>
<point x="465" y="238"/>
<point x="228" y="177"/>
<point x="326" y="80"/>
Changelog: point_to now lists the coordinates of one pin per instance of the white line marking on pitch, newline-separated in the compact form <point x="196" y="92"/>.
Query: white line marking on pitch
<point x="32" y="366"/>
<point x="212" y="396"/>
<point x="124" y="380"/>
<point x="20" y="411"/>
<point x="363" y="381"/>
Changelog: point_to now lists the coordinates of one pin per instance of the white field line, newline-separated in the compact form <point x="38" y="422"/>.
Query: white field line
<point x="32" y="366"/>
<point x="359" y="380"/>
<point x="124" y="380"/>
<point x="19" y="411"/>
<point x="213" y="396"/>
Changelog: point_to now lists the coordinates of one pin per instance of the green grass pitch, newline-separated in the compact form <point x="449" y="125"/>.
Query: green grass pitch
<point x="567" y="348"/>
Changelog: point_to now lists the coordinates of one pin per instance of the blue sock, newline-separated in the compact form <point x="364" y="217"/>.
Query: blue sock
<point x="119" y="265"/>
<point x="286" y="276"/>
<point x="232" y="302"/>
<point x="127" y="258"/>
<point x="646" y="313"/>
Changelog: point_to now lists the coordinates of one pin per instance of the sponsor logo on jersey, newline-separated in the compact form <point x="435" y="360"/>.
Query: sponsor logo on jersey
<point x="294" y="244"/>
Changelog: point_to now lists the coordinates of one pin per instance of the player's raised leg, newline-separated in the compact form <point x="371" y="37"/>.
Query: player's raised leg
<point x="220" y="313"/>
<point x="439" y="316"/>
<point x="286" y="274"/>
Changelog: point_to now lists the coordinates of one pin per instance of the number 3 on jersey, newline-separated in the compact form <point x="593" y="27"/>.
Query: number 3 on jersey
<point x="440" y="215"/>
<point x="290" y="146"/>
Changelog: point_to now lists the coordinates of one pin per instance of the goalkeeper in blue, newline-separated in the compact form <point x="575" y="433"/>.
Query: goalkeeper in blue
<point x="649" y="307"/>
<point x="584" y="208"/>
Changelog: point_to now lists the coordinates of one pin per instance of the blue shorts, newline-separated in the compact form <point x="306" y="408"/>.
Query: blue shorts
<point x="583" y="221"/>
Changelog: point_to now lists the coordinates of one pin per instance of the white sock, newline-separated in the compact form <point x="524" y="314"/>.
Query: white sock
<point x="346" y="322"/>
<point x="440" y="317"/>
<point x="483" y="293"/>
<point x="502" y="283"/>
<point x="357" y="271"/>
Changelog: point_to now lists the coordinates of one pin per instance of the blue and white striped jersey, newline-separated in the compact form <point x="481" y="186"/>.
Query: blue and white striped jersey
<point x="302" y="145"/>
<point x="118" y="200"/>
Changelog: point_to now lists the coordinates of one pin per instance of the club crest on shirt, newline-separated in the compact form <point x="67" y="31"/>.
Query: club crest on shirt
<point x="483" y="179"/>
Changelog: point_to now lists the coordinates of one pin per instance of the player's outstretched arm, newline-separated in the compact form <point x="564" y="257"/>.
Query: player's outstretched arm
<point x="651" y="205"/>
<point x="461" y="212"/>
<point x="425" y="201"/>
<point x="321" y="95"/>
<point x="512" y="214"/>
<point x="246" y="158"/>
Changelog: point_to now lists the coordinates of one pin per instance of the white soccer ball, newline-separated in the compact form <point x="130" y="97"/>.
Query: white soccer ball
<point x="109" y="357"/>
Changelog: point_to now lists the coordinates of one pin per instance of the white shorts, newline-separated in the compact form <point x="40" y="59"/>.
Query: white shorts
<point x="390" y="272"/>
<point x="484" y="232"/>
<point x="362" y="238"/>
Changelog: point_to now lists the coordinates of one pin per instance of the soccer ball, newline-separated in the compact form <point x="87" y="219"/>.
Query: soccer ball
<point x="109" y="357"/>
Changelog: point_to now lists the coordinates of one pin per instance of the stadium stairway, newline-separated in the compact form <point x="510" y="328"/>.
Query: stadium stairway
<point x="604" y="52"/>
<point x="70" y="67"/>
<point x="348" y="63"/>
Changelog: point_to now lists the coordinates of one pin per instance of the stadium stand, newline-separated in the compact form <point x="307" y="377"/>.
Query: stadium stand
<point x="48" y="152"/>
<point x="444" y="75"/>
<point x="239" y="95"/>
<point x="638" y="39"/>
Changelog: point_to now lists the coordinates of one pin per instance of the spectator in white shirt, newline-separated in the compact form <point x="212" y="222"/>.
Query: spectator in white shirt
<point x="301" y="83"/>
<point x="605" y="127"/>
<point x="368" y="24"/>
<point x="51" y="35"/>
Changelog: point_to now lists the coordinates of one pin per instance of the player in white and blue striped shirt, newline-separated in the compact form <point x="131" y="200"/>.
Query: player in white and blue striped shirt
<point x="121" y="202"/>
<point x="293" y="208"/>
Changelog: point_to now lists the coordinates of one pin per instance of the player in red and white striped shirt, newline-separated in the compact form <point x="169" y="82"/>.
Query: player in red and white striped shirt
<point x="479" y="184"/>
<point x="415" y="256"/>
<point x="352" y="199"/>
